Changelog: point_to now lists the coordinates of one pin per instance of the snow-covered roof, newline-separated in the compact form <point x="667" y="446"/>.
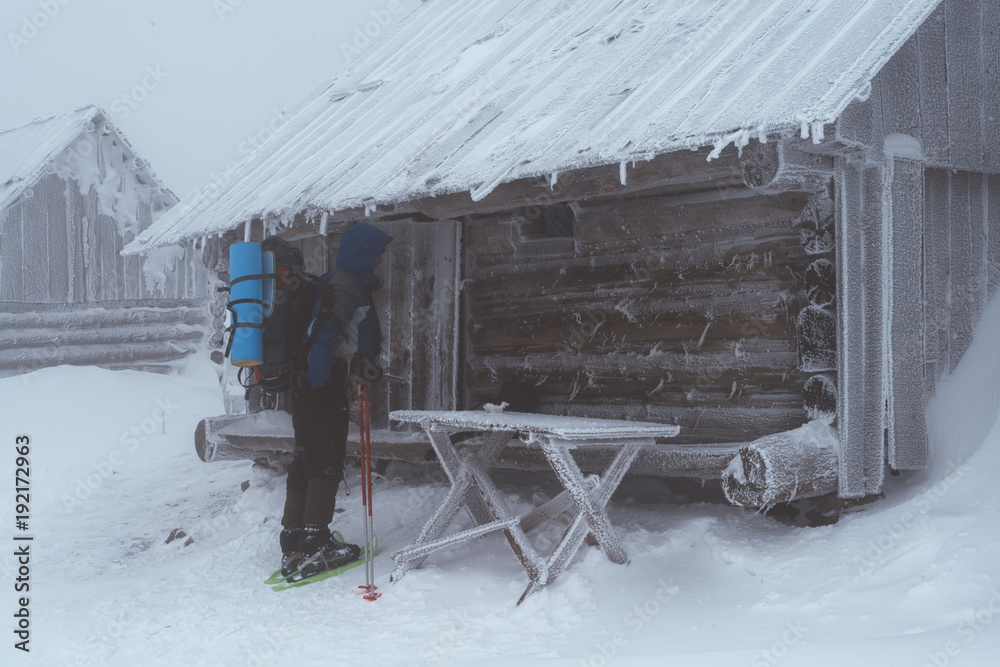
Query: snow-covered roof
<point x="27" y="151"/>
<point x="469" y="94"/>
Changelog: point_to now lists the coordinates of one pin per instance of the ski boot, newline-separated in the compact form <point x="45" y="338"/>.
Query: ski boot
<point x="322" y="551"/>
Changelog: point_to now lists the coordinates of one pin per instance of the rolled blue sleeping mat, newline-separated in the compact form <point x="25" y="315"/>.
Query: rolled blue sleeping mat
<point x="246" y="304"/>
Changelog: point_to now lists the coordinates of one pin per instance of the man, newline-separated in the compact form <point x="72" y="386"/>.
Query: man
<point x="346" y="342"/>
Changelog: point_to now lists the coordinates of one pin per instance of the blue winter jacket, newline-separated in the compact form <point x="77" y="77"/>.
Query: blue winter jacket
<point x="353" y="327"/>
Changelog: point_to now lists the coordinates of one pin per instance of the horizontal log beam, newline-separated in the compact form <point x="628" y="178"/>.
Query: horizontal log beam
<point x="49" y="338"/>
<point x="666" y="460"/>
<point x="785" y="165"/>
<point x="99" y="316"/>
<point x="780" y="468"/>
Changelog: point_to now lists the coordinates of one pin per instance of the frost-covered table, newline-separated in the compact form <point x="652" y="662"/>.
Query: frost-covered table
<point x="472" y="487"/>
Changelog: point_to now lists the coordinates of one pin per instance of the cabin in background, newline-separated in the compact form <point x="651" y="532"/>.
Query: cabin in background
<point x="734" y="217"/>
<point x="73" y="194"/>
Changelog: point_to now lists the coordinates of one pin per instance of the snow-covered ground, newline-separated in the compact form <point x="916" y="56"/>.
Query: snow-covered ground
<point x="909" y="580"/>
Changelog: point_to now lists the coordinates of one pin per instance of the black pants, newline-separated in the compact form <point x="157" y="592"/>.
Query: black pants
<point x="320" y="419"/>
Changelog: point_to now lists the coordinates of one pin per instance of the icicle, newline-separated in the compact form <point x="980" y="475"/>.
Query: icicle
<point x="742" y="141"/>
<point x="322" y="223"/>
<point x="762" y="135"/>
<point x="481" y="191"/>
<point x="246" y="231"/>
<point x="717" y="148"/>
<point x="817" y="131"/>
<point x="553" y="178"/>
<point x="370" y="208"/>
<point x="803" y="127"/>
<point x="621" y="172"/>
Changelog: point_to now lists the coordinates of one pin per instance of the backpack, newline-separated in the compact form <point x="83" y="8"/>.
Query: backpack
<point x="291" y="298"/>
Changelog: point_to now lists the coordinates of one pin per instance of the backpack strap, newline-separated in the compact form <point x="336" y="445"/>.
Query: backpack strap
<point x="322" y="317"/>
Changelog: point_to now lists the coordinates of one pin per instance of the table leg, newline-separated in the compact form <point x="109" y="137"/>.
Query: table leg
<point x="463" y="493"/>
<point x="591" y="506"/>
<point x="563" y="464"/>
<point x="437" y="524"/>
<point x="452" y="465"/>
<point x="533" y="564"/>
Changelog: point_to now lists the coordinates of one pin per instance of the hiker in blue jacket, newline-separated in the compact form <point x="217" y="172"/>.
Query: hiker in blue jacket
<point x="344" y="353"/>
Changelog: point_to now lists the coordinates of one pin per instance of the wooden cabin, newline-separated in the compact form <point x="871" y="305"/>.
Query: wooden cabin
<point x="734" y="217"/>
<point x="73" y="194"/>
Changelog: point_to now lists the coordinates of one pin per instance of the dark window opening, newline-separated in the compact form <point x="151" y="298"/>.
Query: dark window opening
<point x="554" y="221"/>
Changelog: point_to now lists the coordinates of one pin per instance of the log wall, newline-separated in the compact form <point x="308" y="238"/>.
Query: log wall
<point x="676" y="307"/>
<point x="142" y="335"/>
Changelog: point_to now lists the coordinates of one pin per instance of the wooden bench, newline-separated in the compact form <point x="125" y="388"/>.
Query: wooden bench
<point x="473" y="489"/>
<point x="267" y="436"/>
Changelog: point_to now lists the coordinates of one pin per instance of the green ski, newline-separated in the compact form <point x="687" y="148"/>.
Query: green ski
<point x="325" y="575"/>
<point x="276" y="577"/>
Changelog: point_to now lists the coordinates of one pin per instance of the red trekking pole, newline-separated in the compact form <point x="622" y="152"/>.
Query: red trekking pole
<point x="364" y="424"/>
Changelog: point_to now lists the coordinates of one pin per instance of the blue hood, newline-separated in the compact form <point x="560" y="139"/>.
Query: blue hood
<point x="359" y="247"/>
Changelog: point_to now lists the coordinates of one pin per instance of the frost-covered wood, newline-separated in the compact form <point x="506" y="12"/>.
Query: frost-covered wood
<point x="992" y="215"/>
<point x="940" y="87"/>
<point x="783" y="165"/>
<point x="216" y="436"/>
<point x="820" y="283"/>
<point x="683" y="295"/>
<point x="669" y="308"/>
<point x="820" y="398"/>
<point x="817" y="335"/>
<point x="144" y="333"/>
<point x="817" y="221"/>
<point x="66" y="217"/>
<point x="269" y="435"/>
<point x="875" y="281"/>
<point x="417" y="117"/>
<point x="963" y="44"/>
<point x="907" y="431"/>
<point x="960" y="217"/>
<point x="556" y="437"/>
<point x="860" y="401"/>
<point x="577" y="431"/>
<point x="937" y="251"/>
<point x="967" y="270"/>
<point x="786" y="466"/>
